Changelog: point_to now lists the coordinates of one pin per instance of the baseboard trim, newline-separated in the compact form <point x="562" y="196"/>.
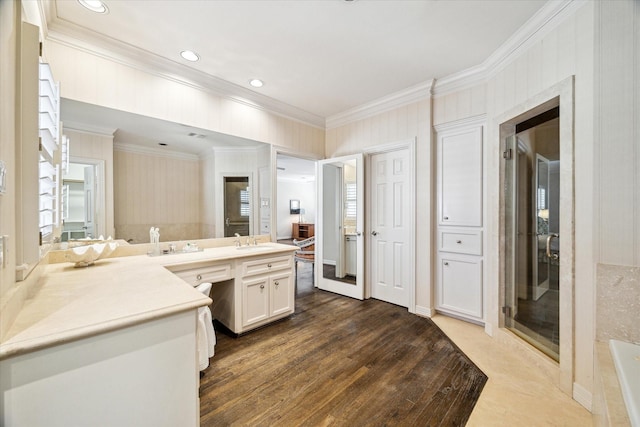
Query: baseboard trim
<point x="582" y="396"/>
<point x="425" y="311"/>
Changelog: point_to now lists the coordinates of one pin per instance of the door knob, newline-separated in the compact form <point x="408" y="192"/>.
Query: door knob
<point x="374" y="233"/>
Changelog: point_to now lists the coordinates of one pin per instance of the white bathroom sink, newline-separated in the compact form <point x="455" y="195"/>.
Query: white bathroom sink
<point x="252" y="248"/>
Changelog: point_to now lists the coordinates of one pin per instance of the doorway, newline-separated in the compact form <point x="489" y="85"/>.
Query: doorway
<point x="390" y="177"/>
<point x="340" y="242"/>
<point x="83" y="200"/>
<point x="534" y="310"/>
<point x="536" y="223"/>
<point x="237" y="206"/>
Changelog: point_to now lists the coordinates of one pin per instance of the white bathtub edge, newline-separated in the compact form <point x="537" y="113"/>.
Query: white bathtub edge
<point x="626" y="359"/>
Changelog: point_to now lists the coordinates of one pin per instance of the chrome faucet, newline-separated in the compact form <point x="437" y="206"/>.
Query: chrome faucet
<point x="238" y="244"/>
<point x="248" y="240"/>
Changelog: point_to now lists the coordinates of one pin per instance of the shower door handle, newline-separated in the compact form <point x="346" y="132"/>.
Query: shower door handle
<point x="549" y="254"/>
<point x="226" y="222"/>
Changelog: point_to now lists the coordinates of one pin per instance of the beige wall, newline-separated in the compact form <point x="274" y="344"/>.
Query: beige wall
<point x="87" y="77"/>
<point x="9" y="17"/>
<point x="566" y="50"/>
<point x="156" y="191"/>
<point x="617" y="132"/>
<point x="407" y="122"/>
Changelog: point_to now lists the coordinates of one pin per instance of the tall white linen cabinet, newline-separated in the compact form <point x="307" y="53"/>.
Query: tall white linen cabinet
<point x="460" y="198"/>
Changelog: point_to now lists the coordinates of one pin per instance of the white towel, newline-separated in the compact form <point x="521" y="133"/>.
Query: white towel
<point x="205" y="335"/>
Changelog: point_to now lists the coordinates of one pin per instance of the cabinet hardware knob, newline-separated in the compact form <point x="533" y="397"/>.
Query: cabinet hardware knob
<point x="276" y="283"/>
<point x="446" y="218"/>
<point x="261" y="286"/>
<point x="269" y="265"/>
<point x="446" y="263"/>
<point x="458" y="241"/>
<point x="374" y="233"/>
<point x="199" y="277"/>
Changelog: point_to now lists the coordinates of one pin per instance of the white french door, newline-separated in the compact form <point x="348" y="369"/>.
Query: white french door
<point x="339" y="238"/>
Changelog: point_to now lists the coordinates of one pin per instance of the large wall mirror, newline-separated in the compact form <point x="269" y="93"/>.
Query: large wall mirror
<point x="340" y="240"/>
<point x="167" y="175"/>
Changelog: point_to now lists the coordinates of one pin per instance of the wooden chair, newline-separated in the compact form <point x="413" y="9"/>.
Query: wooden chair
<point x="306" y="253"/>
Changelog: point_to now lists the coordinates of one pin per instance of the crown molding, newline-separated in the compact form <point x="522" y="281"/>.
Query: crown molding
<point x="478" y="120"/>
<point x="545" y="20"/>
<point x="157" y="152"/>
<point x="235" y="149"/>
<point x="395" y="100"/>
<point x="550" y="15"/>
<point x="90" y="129"/>
<point x="76" y="37"/>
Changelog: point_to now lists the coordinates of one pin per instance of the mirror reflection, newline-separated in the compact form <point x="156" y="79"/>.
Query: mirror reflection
<point x="80" y="211"/>
<point x="191" y="183"/>
<point x="339" y="221"/>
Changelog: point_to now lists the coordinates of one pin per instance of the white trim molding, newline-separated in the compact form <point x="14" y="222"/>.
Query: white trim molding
<point x="539" y="25"/>
<point x="466" y="122"/>
<point x="582" y="396"/>
<point x="404" y="97"/>
<point x="158" y="152"/>
<point x="76" y="37"/>
<point x="425" y="311"/>
<point x="90" y="129"/>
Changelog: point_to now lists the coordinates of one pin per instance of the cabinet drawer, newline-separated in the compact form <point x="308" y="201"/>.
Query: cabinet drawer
<point x="213" y="274"/>
<point x="463" y="242"/>
<point x="266" y="265"/>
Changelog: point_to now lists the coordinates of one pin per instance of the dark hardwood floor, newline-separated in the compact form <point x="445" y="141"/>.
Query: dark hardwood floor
<point x="339" y="361"/>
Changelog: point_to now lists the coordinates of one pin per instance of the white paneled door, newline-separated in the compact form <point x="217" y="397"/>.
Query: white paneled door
<point x="390" y="227"/>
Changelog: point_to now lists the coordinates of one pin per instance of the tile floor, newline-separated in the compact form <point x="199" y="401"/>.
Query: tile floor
<point x="516" y="394"/>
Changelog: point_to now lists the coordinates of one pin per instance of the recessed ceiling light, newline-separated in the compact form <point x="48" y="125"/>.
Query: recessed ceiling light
<point x="189" y="55"/>
<point x="256" y="83"/>
<point x="94" y="6"/>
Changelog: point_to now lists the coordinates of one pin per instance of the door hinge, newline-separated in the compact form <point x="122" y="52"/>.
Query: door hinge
<point x="39" y="143"/>
<point x="40" y="49"/>
<point x="507" y="311"/>
<point x="507" y="154"/>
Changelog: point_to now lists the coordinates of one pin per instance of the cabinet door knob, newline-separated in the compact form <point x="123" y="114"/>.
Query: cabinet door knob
<point x="446" y="218"/>
<point x="261" y="286"/>
<point x="276" y="283"/>
<point x="199" y="277"/>
<point x="446" y="263"/>
<point x="269" y="265"/>
<point x="458" y="241"/>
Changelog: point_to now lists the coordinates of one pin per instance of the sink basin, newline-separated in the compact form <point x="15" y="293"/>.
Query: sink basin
<point x="252" y="248"/>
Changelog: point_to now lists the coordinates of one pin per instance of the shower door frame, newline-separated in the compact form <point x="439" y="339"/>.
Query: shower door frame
<point x="562" y="95"/>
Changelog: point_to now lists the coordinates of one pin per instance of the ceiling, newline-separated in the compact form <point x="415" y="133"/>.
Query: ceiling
<point x="320" y="56"/>
<point x="317" y="57"/>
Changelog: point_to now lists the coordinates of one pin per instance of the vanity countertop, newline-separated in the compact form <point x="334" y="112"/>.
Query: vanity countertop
<point x="73" y="303"/>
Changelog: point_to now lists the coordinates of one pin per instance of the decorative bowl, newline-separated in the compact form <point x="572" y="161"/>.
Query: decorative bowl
<point x="84" y="256"/>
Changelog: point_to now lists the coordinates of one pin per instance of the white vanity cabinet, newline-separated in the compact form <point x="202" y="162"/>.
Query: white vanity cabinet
<point x="459" y="270"/>
<point x="262" y="291"/>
